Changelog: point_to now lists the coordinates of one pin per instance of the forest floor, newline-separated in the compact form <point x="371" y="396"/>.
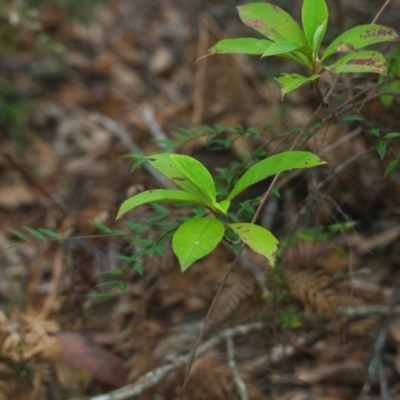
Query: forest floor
<point x="77" y="94"/>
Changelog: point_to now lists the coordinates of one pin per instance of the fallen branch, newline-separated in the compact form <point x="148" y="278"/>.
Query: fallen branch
<point x="364" y="311"/>
<point x="157" y="375"/>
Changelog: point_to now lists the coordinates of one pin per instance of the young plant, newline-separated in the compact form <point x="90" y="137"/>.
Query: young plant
<point x="197" y="237"/>
<point x="286" y="39"/>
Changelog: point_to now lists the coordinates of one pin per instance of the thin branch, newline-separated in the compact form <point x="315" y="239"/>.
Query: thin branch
<point x="234" y="370"/>
<point x="365" y="311"/>
<point x="382" y="9"/>
<point x="121" y="134"/>
<point x="157" y="375"/>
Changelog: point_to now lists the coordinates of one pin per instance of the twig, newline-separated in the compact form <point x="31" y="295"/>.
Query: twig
<point x="379" y="13"/>
<point x="200" y="74"/>
<point x="376" y="363"/>
<point x="121" y="134"/>
<point x="234" y="262"/>
<point x="157" y="375"/>
<point x="148" y="117"/>
<point x="365" y="311"/>
<point x="30" y="180"/>
<point x="206" y="321"/>
<point x="234" y="370"/>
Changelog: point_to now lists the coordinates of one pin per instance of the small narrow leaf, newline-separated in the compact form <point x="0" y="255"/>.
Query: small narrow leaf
<point x="18" y="234"/>
<point x="161" y="195"/>
<point x="272" y="22"/>
<point x="290" y="82"/>
<point x="318" y="36"/>
<point x="314" y="15"/>
<point x="196" y="238"/>
<point x="362" y="61"/>
<point x="392" y="135"/>
<point x="280" y="48"/>
<point x="391" y="166"/>
<point x="359" y="37"/>
<point x="381" y="149"/>
<point x="258" y="239"/>
<point x="36" y="234"/>
<point x="250" y="46"/>
<point x="223" y="206"/>
<point x="272" y="165"/>
<point x="50" y="233"/>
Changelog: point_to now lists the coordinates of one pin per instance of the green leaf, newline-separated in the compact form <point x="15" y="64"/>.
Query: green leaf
<point x="387" y="99"/>
<point x="375" y="132"/>
<point x="117" y="271"/>
<point x="196" y="238"/>
<point x="223" y="206"/>
<point x="318" y="37"/>
<point x="272" y="22"/>
<point x="289" y="82"/>
<point x="362" y="61"/>
<point x="280" y="48"/>
<point x="50" y="233"/>
<point x="162" y="195"/>
<point x="18" y="234"/>
<point x="392" y="135"/>
<point x="314" y="15"/>
<point x="187" y="173"/>
<point x="272" y="165"/>
<point x="198" y="175"/>
<point x="381" y="149"/>
<point x="258" y="239"/>
<point x="353" y="117"/>
<point x="36" y="234"/>
<point x="391" y="166"/>
<point x="250" y="46"/>
<point x="359" y="37"/>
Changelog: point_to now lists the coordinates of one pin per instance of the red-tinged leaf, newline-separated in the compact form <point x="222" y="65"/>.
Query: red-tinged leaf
<point x="359" y="37"/>
<point x="273" y="22"/>
<point x="362" y="61"/>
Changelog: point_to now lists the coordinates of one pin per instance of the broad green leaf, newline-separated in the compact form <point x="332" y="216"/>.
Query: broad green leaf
<point x="314" y="15"/>
<point x="273" y="22"/>
<point x="196" y="238"/>
<point x="198" y="174"/>
<point x="250" y="46"/>
<point x="362" y="61"/>
<point x="280" y="48"/>
<point x="359" y="37"/>
<point x="168" y="165"/>
<point x="258" y="239"/>
<point x="36" y="234"/>
<point x="161" y="195"/>
<point x="289" y="82"/>
<point x="272" y="165"/>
